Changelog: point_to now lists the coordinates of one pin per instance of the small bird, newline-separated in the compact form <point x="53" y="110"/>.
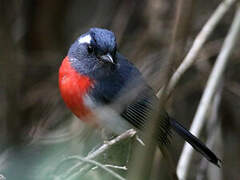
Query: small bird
<point x="94" y="74"/>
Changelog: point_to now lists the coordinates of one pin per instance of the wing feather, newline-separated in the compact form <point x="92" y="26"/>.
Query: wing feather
<point x="138" y="112"/>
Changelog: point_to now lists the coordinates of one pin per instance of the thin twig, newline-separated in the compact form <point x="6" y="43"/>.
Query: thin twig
<point x="113" y="167"/>
<point x="98" y="152"/>
<point x="116" y="167"/>
<point x="198" y="43"/>
<point x="215" y="133"/>
<point x="215" y="77"/>
<point x="213" y="129"/>
<point x="140" y="140"/>
<point x="213" y="172"/>
<point x="95" y="163"/>
<point x="128" y="134"/>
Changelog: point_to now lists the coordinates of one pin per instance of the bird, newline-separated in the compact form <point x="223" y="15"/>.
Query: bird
<point x="94" y="74"/>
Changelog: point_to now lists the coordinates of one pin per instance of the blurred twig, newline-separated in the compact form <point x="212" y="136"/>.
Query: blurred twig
<point x="213" y="129"/>
<point x="198" y="43"/>
<point x="182" y="22"/>
<point x="116" y="167"/>
<point x="182" y="26"/>
<point x="95" y="163"/>
<point x="215" y="77"/>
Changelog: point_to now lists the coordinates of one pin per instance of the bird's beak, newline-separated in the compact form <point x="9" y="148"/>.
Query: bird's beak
<point x="107" y="58"/>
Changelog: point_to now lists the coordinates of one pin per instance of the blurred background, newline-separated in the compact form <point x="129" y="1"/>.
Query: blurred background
<point x="37" y="131"/>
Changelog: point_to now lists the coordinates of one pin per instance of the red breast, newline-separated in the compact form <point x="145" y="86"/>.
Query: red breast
<point x="73" y="87"/>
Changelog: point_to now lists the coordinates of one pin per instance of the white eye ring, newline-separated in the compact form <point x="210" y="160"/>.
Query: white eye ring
<point x="85" y="39"/>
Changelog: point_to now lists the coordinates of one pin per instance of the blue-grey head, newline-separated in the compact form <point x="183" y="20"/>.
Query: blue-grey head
<point x="93" y="51"/>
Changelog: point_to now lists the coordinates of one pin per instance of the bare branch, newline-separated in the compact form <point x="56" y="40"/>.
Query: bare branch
<point x="213" y="130"/>
<point x="116" y="167"/>
<point x="95" y="163"/>
<point x="128" y="134"/>
<point x="107" y="145"/>
<point x="209" y="91"/>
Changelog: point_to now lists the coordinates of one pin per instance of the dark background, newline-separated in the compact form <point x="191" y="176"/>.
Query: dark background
<point x="35" y="37"/>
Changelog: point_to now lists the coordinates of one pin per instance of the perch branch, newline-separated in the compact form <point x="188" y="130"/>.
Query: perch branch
<point x="97" y="164"/>
<point x="98" y="152"/>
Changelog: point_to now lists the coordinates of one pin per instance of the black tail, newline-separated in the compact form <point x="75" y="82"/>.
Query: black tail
<point x="195" y="142"/>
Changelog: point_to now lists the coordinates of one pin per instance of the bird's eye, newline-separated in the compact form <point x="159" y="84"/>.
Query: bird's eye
<point x="90" y="49"/>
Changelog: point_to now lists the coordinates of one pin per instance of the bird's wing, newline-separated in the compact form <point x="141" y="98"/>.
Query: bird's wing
<point x="138" y="113"/>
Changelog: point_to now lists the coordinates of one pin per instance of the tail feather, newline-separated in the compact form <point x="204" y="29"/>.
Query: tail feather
<point x="195" y="142"/>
